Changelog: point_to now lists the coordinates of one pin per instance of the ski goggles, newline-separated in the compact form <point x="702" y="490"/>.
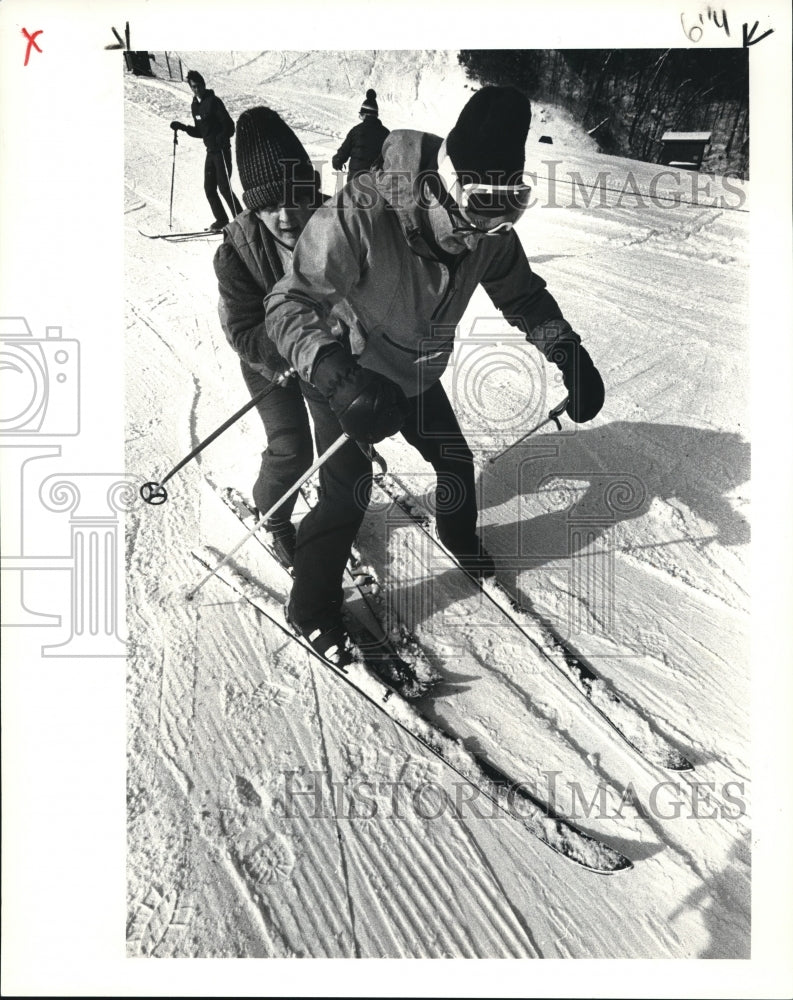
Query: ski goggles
<point x="483" y="200"/>
<point x="461" y="225"/>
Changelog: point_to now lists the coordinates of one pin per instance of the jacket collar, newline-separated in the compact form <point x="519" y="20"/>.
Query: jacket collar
<point x="407" y="156"/>
<point x="256" y="247"/>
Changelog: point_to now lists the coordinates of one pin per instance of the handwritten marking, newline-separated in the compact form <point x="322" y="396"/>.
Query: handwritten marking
<point x="749" y="39"/>
<point x="32" y="43"/>
<point x="713" y="16"/>
<point x="695" y="32"/>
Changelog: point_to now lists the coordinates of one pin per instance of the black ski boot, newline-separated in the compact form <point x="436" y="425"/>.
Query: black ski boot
<point x="327" y="635"/>
<point x="279" y="536"/>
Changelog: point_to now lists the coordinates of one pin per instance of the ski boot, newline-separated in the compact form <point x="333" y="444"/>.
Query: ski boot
<point x="279" y="536"/>
<point x="327" y="635"/>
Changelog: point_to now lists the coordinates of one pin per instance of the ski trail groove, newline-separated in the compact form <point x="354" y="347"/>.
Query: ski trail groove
<point x="339" y="837"/>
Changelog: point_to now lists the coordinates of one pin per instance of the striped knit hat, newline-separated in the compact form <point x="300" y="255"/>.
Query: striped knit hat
<point x="273" y="165"/>
<point x="369" y="106"/>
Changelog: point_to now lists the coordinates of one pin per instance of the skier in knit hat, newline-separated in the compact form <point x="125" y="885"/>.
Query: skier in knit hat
<point x="364" y="141"/>
<point x="403" y="249"/>
<point x="281" y="191"/>
<point x="215" y="126"/>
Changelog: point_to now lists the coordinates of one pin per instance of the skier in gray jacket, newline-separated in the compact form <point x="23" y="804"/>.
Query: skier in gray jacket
<point x="398" y="253"/>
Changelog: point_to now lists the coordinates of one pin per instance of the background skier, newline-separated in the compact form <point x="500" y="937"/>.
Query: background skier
<point x="404" y="255"/>
<point x="364" y="142"/>
<point x="280" y="191"/>
<point x="215" y="126"/>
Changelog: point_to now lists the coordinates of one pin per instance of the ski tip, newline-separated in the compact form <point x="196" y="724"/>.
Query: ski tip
<point x="668" y="758"/>
<point x="602" y="860"/>
<point x="597" y="857"/>
<point x="679" y="763"/>
<point x="606" y="861"/>
<point x="589" y="852"/>
<point x="622" y="864"/>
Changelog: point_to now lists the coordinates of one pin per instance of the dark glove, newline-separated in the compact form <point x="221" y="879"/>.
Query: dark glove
<point x="178" y="127"/>
<point x="581" y="379"/>
<point x="368" y="405"/>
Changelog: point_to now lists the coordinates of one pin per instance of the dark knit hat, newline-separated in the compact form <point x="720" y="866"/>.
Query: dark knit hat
<point x="369" y="106"/>
<point x="273" y="165"/>
<point x="487" y="144"/>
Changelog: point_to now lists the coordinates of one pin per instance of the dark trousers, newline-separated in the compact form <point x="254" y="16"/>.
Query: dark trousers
<point x="327" y="532"/>
<point x="433" y="430"/>
<point x="289" y="450"/>
<point x="217" y="172"/>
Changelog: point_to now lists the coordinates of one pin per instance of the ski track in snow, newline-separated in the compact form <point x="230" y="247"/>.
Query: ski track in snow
<point x="221" y="706"/>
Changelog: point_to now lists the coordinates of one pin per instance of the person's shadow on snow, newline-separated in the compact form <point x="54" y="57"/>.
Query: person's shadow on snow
<point x="574" y="487"/>
<point x="571" y="489"/>
<point x="722" y="903"/>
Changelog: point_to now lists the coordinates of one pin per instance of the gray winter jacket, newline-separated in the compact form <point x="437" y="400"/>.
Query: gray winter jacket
<point x="363" y="258"/>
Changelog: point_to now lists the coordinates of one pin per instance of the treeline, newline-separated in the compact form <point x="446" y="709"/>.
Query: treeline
<point x="627" y="98"/>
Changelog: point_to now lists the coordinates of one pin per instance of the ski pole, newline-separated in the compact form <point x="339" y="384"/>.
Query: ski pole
<point x="338" y="443"/>
<point x="155" y="493"/>
<point x="553" y="417"/>
<point x="228" y="181"/>
<point x="173" y="174"/>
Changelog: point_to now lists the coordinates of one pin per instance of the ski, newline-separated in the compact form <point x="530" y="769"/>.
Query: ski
<point x="625" y="719"/>
<point x="412" y="677"/>
<point x="513" y="799"/>
<point x="179" y="237"/>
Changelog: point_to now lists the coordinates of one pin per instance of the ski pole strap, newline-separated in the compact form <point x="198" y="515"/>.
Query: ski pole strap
<point x="553" y="417"/>
<point x="556" y="412"/>
<point x="374" y="456"/>
<point x="341" y="440"/>
<point x="154" y="493"/>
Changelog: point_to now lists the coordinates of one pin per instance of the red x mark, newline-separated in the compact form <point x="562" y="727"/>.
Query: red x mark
<point x="31" y="42"/>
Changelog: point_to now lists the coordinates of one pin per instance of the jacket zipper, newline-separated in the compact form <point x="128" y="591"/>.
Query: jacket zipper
<point x="448" y="291"/>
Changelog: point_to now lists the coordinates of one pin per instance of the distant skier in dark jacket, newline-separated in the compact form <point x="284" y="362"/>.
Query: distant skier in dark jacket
<point x="215" y="126"/>
<point x="364" y="142"/>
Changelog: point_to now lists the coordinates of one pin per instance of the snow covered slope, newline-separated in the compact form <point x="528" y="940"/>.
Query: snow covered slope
<point x="629" y="535"/>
